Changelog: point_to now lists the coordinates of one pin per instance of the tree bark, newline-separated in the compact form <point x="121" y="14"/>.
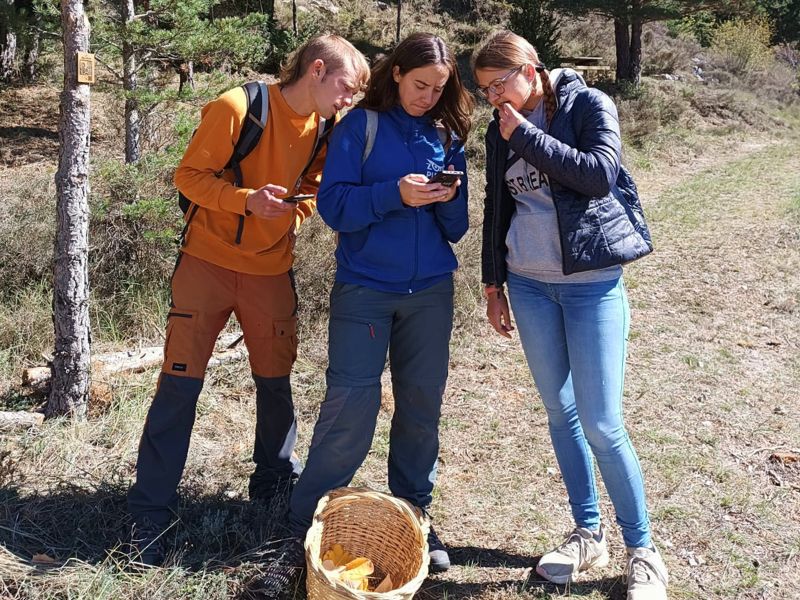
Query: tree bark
<point x="32" y="51"/>
<point x="399" y="9"/>
<point x="294" y="17"/>
<point x="186" y="75"/>
<point x="622" y="42"/>
<point x="8" y="51"/>
<point x="133" y="149"/>
<point x="70" y="386"/>
<point x="635" y="54"/>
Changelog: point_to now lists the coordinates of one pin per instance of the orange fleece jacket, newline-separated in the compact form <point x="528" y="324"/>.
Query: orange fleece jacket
<point x="266" y="246"/>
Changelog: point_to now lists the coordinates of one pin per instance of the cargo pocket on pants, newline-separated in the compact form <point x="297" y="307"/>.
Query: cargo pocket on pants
<point x="184" y="347"/>
<point x="273" y="350"/>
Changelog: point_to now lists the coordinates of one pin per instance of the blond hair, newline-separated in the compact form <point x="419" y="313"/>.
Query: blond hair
<point x="335" y="51"/>
<point x="506" y="50"/>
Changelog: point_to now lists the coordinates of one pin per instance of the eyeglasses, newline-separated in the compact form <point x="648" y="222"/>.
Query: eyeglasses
<point x="497" y="87"/>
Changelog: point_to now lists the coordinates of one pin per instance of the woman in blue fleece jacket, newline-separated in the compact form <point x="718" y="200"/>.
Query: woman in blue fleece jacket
<point x="561" y="217"/>
<point x="394" y="280"/>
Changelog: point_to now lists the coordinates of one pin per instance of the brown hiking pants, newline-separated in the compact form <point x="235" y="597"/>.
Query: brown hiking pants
<point x="203" y="298"/>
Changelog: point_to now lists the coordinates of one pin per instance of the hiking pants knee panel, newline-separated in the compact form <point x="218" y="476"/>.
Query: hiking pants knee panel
<point x="163" y="448"/>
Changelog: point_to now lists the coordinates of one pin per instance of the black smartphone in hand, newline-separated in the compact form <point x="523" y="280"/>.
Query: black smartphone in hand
<point x="446" y="178"/>
<point x="297" y="198"/>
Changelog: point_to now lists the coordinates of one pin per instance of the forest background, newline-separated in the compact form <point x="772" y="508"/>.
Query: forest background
<point x="708" y="98"/>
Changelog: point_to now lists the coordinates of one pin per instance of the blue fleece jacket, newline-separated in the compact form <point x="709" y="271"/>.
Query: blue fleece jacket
<point x="384" y="244"/>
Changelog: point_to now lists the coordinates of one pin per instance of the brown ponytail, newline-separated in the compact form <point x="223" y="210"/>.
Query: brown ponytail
<point x="549" y="95"/>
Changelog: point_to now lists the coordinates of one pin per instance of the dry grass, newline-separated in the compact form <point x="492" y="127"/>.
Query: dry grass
<point x="712" y="392"/>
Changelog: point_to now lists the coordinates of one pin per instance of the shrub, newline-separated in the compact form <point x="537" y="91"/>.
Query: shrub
<point x="665" y="54"/>
<point x="742" y="46"/>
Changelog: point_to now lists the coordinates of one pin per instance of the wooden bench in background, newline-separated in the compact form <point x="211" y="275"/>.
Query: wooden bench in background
<point x="590" y="67"/>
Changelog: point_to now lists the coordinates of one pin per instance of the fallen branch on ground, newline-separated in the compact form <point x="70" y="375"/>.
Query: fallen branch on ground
<point x="136" y="361"/>
<point x="10" y="421"/>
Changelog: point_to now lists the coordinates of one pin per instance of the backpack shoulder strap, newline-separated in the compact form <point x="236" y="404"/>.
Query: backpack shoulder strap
<point x="369" y="134"/>
<point x="444" y="138"/>
<point x="254" y="123"/>
<point x="324" y="128"/>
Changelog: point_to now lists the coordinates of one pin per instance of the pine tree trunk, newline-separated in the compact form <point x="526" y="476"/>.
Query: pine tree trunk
<point x="8" y="51"/>
<point x="185" y="75"/>
<point x="294" y="17"/>
<point x="635" y="67"/>
<point x="623" y="44"/>
<point x="133" y="151"/>
<point x="70" y="387"/>
<point x="32" y="52"/>
<point x="399" y="10"/>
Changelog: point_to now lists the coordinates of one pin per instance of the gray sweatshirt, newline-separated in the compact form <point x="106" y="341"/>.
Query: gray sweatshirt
<point x="534" y="249"/>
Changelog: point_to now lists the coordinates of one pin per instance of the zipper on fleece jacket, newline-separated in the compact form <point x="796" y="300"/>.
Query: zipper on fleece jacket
<point x="416" y="249"/>
<point x="497" y="200"/>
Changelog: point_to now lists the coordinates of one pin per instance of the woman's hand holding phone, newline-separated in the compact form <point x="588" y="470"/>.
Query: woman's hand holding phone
<point x="417" y="190"/>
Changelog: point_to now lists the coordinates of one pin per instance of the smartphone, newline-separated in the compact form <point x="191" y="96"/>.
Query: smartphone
<point x="297" y="198"/>
<point x="446" y="178"/>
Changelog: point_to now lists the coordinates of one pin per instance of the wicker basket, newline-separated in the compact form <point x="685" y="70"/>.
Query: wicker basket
<point x="388" y="531"/>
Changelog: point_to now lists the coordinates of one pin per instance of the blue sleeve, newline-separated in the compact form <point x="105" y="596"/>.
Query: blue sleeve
<point x="344" y="202"/>
<point x="453" y="216"/>
<point x="590" y="169"/>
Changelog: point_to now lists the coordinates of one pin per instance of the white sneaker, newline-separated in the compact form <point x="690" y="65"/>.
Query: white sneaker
<point x="646" y="574"/>
<point x="580" y="551"/>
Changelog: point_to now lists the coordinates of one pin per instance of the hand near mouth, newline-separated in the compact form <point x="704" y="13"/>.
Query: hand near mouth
<point x="510" y="119"/>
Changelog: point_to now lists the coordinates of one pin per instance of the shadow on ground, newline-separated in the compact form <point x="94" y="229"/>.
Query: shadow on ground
<point x="444" y="586"/>
<point x="216" y="532"/>
<point x="73" y="522"/>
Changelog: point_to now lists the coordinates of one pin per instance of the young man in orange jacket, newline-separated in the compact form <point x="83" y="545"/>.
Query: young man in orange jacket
<point x="237" y="258"/>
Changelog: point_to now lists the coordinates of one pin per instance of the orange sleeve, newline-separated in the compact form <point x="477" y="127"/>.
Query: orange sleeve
<point x="209" y="151"/>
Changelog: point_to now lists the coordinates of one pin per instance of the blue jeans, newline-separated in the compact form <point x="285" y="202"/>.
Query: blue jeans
<point x="365" y="324"/>
<point x="574" y="336"/>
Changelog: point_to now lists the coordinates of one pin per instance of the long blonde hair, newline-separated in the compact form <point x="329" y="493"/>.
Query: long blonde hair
<point x="335" y="51"/>
<point x="506" y="50"/>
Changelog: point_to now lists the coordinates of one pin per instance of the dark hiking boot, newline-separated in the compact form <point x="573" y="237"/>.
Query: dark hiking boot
<point x="146" y="546"/>
<point x="271" y="491"/>
<point x="282" y="573"/>
<point x="440" y="560"/>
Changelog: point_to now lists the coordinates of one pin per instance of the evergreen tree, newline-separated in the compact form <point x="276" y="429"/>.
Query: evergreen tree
<point x="785" y="18"/>
<point x="150" y="36"/>
<point x="537" y="22"/>
<point x="629" y="16"/>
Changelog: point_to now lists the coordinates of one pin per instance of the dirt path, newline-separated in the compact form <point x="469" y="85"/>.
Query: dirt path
<point x="712" y="391"/>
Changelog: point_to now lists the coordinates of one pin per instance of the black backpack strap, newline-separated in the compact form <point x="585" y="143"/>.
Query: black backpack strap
<point x="324" y="128"/>
<point x="255" y="121"/>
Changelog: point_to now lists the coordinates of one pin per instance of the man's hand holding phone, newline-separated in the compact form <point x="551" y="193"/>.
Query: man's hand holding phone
<point x="266" y="204"/>
<point x="417" y="190"/>
<point x="297" y="198"/>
